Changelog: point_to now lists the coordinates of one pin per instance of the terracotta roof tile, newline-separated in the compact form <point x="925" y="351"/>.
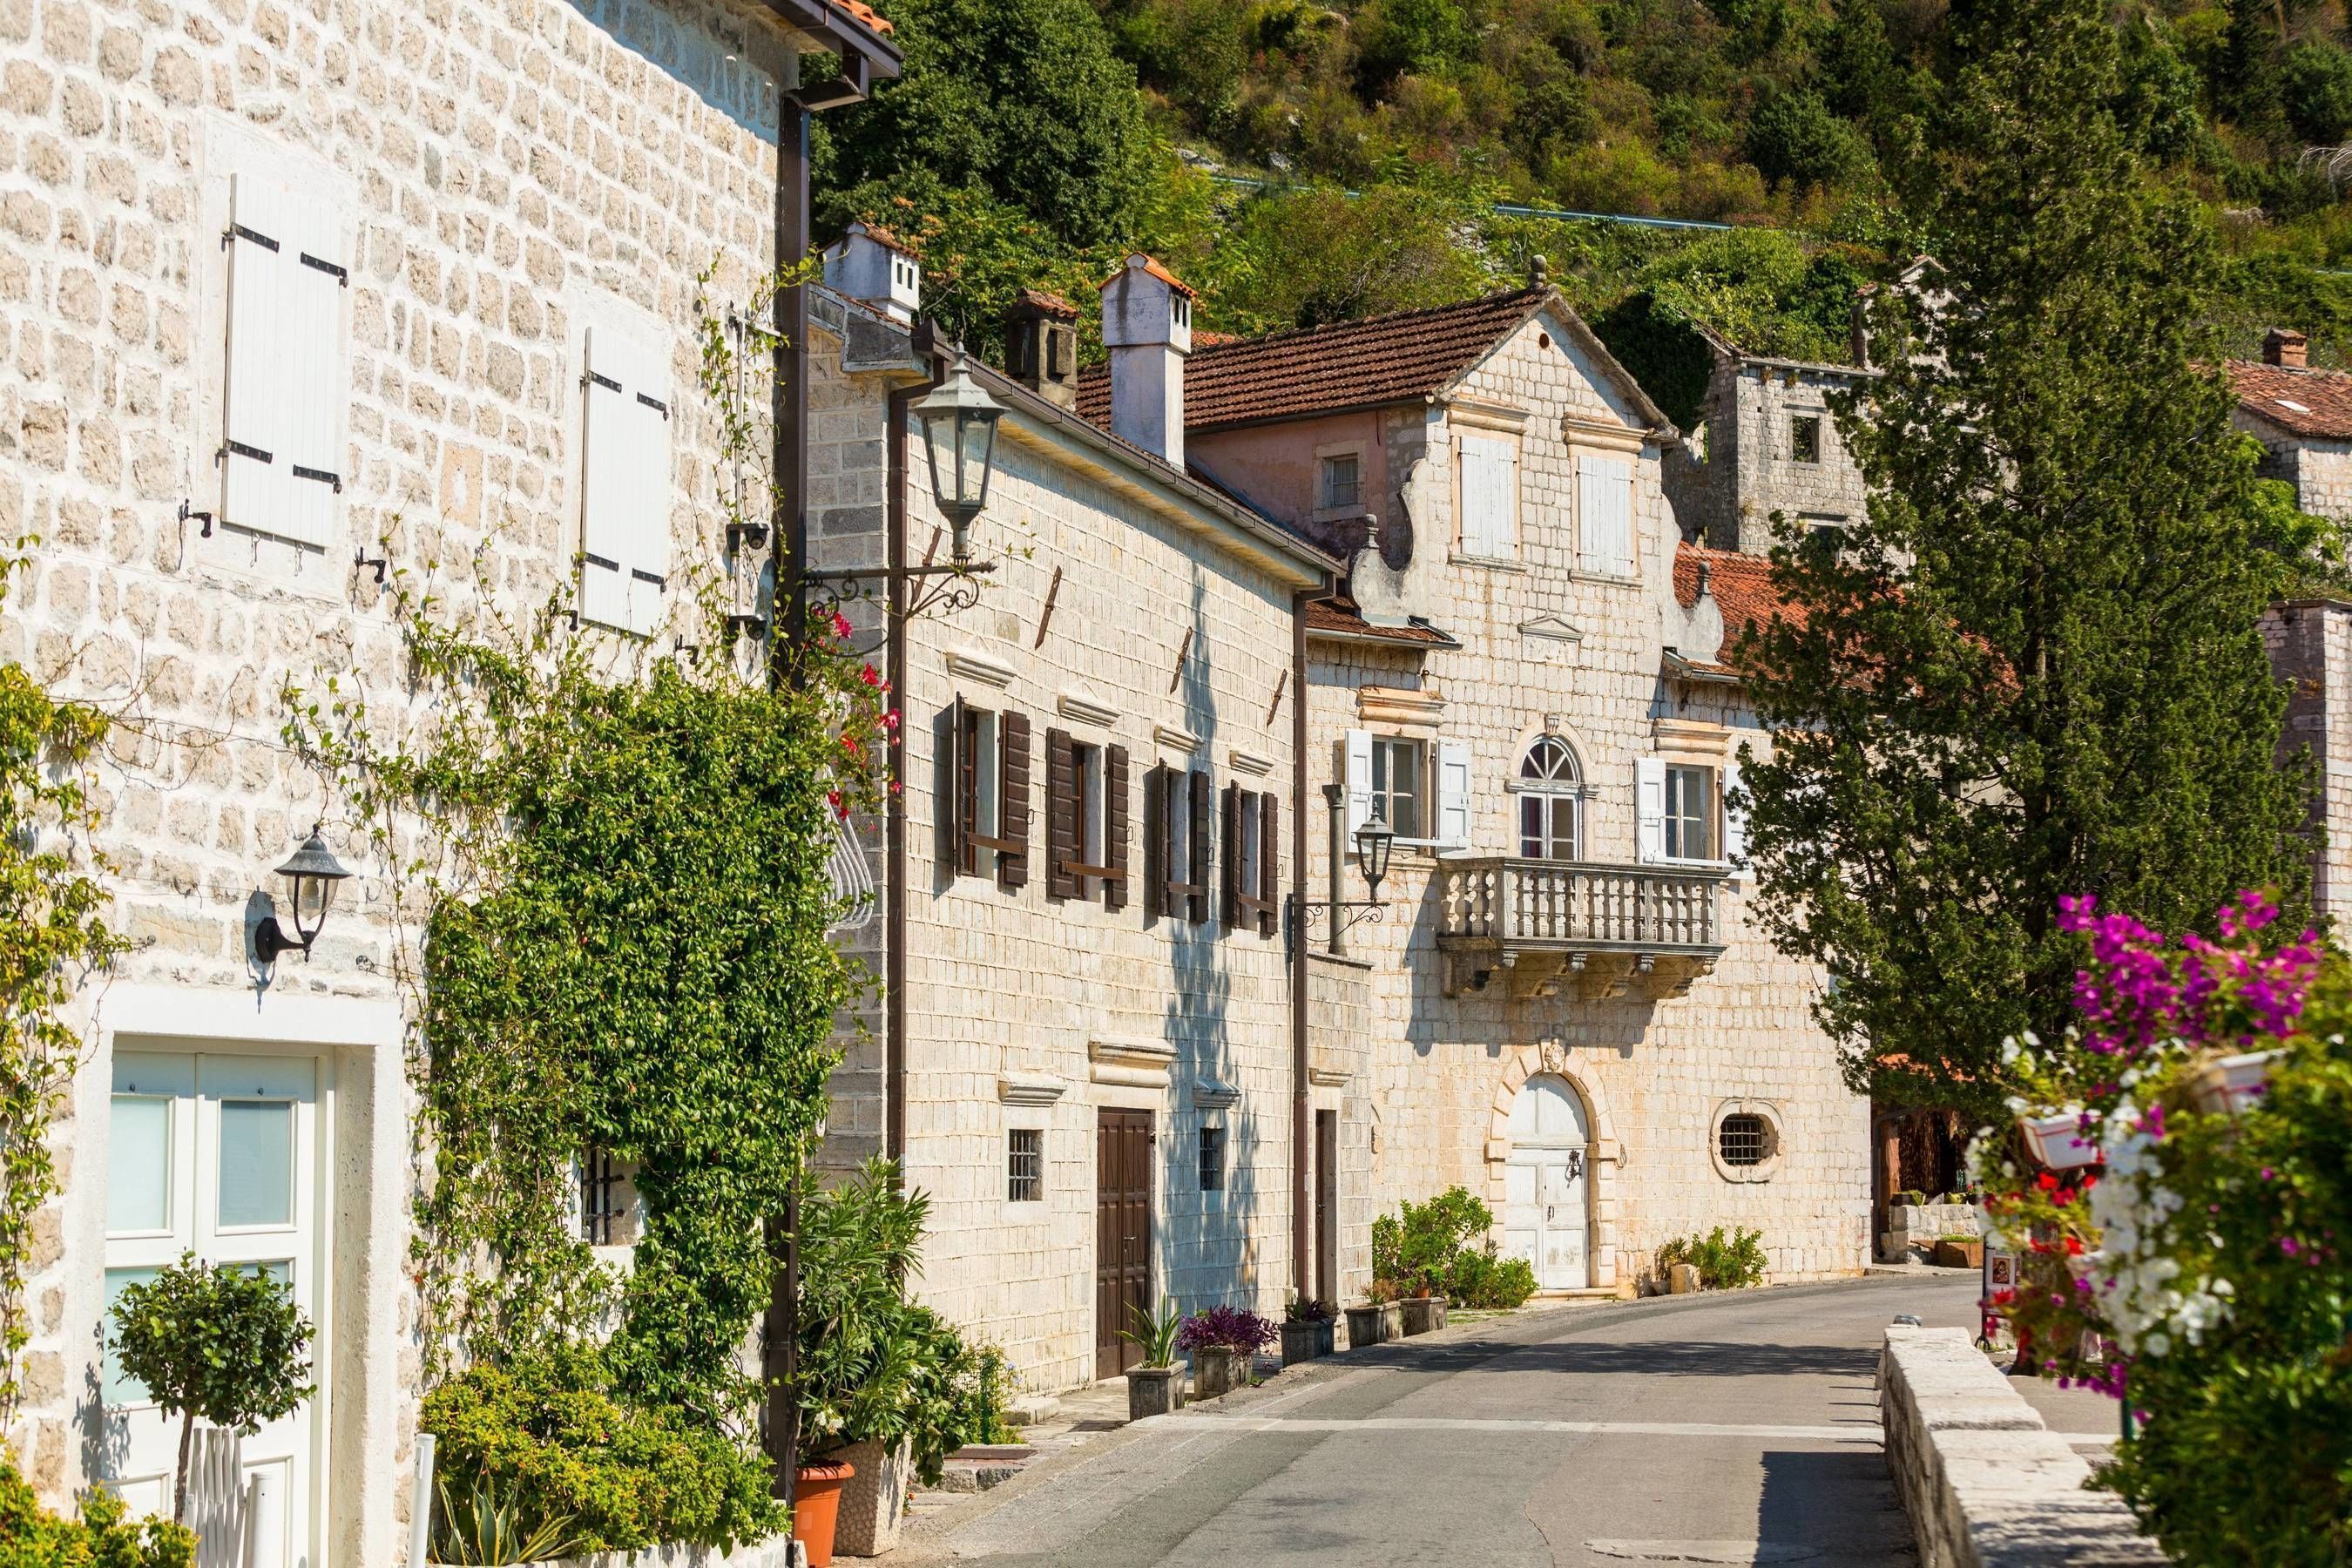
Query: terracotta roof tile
<point x="2316" y="403"/>
<point x="1346" y="620"/>
<point x="1151" y="264"/>
<point x="874" y="20"/>
<point x="1320" y="370"/>
<point x="1742" y="586"/>
<point x="1046" y="304"/>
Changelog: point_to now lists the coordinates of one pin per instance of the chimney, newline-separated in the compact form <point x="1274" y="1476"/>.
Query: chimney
<point x="870" y="265"/>
<point x="1147" y="325"/>
<point x="2284" y="347"/>
<point x="1041" y="345"/>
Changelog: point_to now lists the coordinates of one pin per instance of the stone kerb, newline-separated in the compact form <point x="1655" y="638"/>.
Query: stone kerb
<point x="1985" y="1483"/>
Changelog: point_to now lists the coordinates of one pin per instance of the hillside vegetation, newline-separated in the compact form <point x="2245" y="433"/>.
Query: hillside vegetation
<point x="1304" y="162"/>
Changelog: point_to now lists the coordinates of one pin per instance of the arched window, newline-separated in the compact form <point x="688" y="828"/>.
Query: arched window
<point x="1551" y="796"/>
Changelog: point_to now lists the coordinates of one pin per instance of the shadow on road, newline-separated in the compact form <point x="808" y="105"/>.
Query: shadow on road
<point x="1841" y="1504"/>
<point x="1662" y="1358"/>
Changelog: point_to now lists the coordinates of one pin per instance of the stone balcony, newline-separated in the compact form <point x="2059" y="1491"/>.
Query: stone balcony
<point x="1592" y="930"/>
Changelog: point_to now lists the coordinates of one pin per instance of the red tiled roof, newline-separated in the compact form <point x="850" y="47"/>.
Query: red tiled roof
<point x="2317" y="402"/>
<point x="1046" y="304"/>
<point x="1151" y="264"/>
<point x="874" y="20"/>
<point x="1320" y="370"/>
<point x="1346" y="620"/>
<point x="1741" y="585"/>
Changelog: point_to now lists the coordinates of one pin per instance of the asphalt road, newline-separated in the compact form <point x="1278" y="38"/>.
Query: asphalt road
<point x="1740" y="1428"/>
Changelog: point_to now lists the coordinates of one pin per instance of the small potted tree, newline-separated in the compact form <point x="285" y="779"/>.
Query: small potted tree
<point x="225" y="1342"/>
<point x="1222" y="1341"/>
<point x="1306" y="1330"/>
<point x="1157" y="1386"/>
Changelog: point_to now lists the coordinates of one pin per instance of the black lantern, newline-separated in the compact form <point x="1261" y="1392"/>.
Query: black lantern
<point x="311" y="876"/>
<point x="1374" y="839"/>
<point x="960" y="438"/>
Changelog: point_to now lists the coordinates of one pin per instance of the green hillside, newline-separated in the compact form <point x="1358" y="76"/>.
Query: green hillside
<point x="1304" y="163"/>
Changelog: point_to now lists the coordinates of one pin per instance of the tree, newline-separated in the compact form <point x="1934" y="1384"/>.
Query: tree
<point x="1021" y="98"/>
<point x="225" y="1342"/>
<point x="1795" y="138"/>
<point x="2035" y="668"/>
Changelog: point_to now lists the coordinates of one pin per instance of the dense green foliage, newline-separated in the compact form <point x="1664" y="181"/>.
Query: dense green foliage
<point x="875" y="1367"/>
<point x="2035" y="668"/>
<point x="1441" y="1248"/>
<point x="226" y="1344"/>
<point x="546" y="1431"/>
<point x="1731" y="1263"/>
<point x="51" y="935"/>
<point x="32" y="1537"/>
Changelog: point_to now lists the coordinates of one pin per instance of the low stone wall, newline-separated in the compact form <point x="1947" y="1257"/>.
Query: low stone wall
<point x="1985" y="1483"/>
<point x="775" y="1553"/>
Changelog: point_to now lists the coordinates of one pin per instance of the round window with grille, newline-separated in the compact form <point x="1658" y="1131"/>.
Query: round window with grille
<point x="1742" y="1139"/>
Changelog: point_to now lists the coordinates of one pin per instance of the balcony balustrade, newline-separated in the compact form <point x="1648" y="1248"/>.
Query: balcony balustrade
<point x="1598" y="930"/>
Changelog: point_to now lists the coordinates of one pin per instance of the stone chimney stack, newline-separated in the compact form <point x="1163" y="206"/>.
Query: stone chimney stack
<point x="1147" y="325"/>
<point x="2284" y="347"/>
<point x="869" y="264"/>
<point x="1041" y="346"/>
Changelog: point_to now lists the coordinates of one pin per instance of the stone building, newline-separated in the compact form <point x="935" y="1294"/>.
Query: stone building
<point x="1084" y="1052"/>
<point x="1562" y="1006"/>
<point x="1767" y="443"/>
<point x="288" y="292"/>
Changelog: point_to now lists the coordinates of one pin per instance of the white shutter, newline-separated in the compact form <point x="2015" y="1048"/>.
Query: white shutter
<point x="1734" y="820"/>
<point x="1356" y="770"/>
<point x="1604" y="515"/>
<point x="624" y="488"/>
<point x="318" y="373"/>
<point x="1452" y="795"/>
<point x="1490" y="483"/>
<point x="283" y="449"/>
<point x="1650" y="807"/>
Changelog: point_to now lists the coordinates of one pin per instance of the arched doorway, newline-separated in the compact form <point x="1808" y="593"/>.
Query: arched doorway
<point x="1544" y="1183"/>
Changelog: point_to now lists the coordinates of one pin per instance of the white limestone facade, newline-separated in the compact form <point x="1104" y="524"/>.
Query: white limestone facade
<point x="388" y="246"/>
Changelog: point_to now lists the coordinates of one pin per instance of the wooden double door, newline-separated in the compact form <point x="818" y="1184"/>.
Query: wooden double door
<point x="1122" y="1236"/>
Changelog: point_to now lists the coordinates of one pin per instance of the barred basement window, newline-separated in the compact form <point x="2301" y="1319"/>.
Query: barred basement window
<point x="1025" y="1166"/>
<point x="1213" y="1159"/>
<point x="1741" y="1139"/>
<point x="603" y="1199"/>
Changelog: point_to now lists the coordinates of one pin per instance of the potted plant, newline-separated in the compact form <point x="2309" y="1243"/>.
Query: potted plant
<point x="1157" y="1386"/>
<point x="1223" y="1342"/>
<point x="1306" y="1330"/>
<point x="1377" y="1320"/>
<point x="225" y="1342"/>
<point x="2058" y="1140"/>
<point x="1960" y="1251"/>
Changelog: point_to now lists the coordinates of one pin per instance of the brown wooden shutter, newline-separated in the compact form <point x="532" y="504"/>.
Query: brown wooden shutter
<point x="1203" y="827"/>
<point x="1155" y="901"/>
<point x="1270" y="862"/>
<point x="1061" y="816"/>
<point x="1232" y="861"/>
<point x="957" y="803"/>
<point x="1115" y="827"/>
<point x="1012" y="801"/>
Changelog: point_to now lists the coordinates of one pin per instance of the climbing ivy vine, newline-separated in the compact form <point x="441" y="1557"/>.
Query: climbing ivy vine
<point x="52" y="934"/>
<point x="608" y="864"/>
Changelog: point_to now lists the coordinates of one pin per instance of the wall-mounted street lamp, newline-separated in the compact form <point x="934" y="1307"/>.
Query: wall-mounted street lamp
<point x="1374" y="841"/>
<point x="960" y="439"/>
<point x="311" y="876"/>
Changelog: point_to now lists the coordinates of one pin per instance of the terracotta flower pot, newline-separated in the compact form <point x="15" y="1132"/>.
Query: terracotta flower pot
<point x="817" y="1507"/>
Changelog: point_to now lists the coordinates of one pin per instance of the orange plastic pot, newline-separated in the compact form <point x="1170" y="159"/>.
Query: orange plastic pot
<point x="817" y="1506"/>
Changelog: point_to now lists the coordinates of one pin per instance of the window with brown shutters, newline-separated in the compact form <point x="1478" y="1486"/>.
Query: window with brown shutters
<point x="1114" y="827"/>
<point x="1252" y="870"/>
<point x="1176" y="843"/>
<point x="1061" y="816"/>
<point x="988" y="816"/>
<point x="1012" y="839"/>
<point x="1195" y="887"/>
<point x="1270" y="862"/>
<point x="1229" y="861"/>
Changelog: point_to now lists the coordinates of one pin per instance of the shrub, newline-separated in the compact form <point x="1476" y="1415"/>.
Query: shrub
<point x="1426" y="1249"/>
<point x="1795" y="138"/>
<point x="32" y="1537"/>
<point x="1722" y="1264"/>
<point x="1484" y="1278"/>
<point x="1226" y="1328"/>
<point x="547" y="1432"/>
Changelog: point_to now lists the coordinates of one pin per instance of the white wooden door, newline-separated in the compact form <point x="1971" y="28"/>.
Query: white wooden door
<point x="217" y="1155"/>
<point x="1544" y="1184"/>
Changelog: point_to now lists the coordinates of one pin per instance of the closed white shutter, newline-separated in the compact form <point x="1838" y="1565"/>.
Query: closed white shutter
<point x="1650" y="807"/>
<point x="1356" y="770"/>
<point x="624" y="488"/>
<point x="288" y="388"/>
<point x="1735" y="819"/>
<point x="1604" y="514"/>
<point x="1490" y="487"/>
<point x="1452" y="795"/>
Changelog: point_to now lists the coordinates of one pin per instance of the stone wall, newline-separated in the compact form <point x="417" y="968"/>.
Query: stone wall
<point x="1985" y="1484"/>
<point x="507" y="171"/>
<point x="1750" y="469"/>
<point x="2310" y="643"/>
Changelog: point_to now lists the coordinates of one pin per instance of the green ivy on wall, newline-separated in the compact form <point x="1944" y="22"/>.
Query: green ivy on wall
<point x="51" y="936"/>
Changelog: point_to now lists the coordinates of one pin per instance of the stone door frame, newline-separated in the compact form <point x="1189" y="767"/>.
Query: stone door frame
<point x="1601" y="1164"/>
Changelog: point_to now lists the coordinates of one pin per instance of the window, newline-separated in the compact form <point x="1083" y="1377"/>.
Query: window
<point x="606" y="1200"/>
<point x="1087" y="769"/>
<point x="1213" y="1159"/>
<point x="1605" y="516"/>
<point x="625" y="486"/>
<point x="1805" y="438"/>
<point x="1550" y="795"/>
<point x="988" y="821"/>
<point x="1025" y="1166"/>
<point x="1740" y="1139"/>
<point x="1690" y="813"/>
<point x="1253" y="859"/>
<point x="1178" y="876"/>
<point x="1490" y="496"/>
<point x="1085" y="823"/>
<point x="1399" y="780"/>
<point x="287" y="360"/>
<point x="1342" y="480"/>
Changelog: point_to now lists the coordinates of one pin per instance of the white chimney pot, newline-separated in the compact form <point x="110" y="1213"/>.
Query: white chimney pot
<point x="1147" y="325"/>
<point x="863" y="266"/>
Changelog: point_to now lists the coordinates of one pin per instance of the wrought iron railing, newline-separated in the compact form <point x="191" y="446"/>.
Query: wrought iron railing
<point x="1574" y="903"/>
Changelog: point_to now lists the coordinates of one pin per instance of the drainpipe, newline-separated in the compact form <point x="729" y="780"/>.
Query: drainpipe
<point x="894" y="871"/>
<point x="1302" y="1105"/>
